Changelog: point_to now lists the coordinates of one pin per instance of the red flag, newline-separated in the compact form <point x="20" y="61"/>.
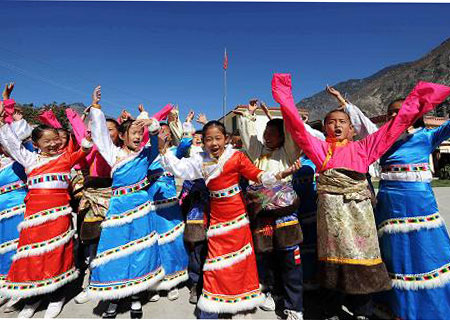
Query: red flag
<point x="225" y="60"/>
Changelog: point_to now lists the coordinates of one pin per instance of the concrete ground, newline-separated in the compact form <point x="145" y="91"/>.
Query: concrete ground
<point x="181" y="308"/>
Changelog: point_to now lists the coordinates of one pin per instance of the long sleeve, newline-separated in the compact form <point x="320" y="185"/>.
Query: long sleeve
<point x="248" y="169"/>
<point x="362" y="124"/>
<point x="184" y="168"/>
<point x="78" y="127"/>
<point x="14" y="147"/>
<point x="314" y="132"/>
<point x="101" y="137"/>
<point x="439" y="135"/>
<point x="424" y="97"/>
<point x="49" y="118"/>
<point x="177" y="130"/>
<point x="313" y="147"/>
<point x="183" y="148"/>
<point x="21" y="128"/>
<point x="8" y="106"/>
<point x="252" y="145"/>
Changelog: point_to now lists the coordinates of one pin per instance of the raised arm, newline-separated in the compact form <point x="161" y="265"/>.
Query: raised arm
<point x="101" y="137"/>
<point x="78" y="127"/>
<point x="48" y="117"/>
<point x="439" y="135"/>
<point x="249" y="136"/>
<point x="13" y="145"/>
<point x="362" y="124"/>
<point x="184" y="168"/>
<point x="313" y="147"/>
<point x="424" y="97"/>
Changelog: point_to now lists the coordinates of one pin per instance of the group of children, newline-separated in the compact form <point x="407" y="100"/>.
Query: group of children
<point x="158" y="204"/>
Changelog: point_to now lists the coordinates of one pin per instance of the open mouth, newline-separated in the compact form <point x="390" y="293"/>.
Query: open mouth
<point x="337" y="132"/>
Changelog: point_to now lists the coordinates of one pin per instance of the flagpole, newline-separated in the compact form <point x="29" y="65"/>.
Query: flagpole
<point x="224" y="106"/>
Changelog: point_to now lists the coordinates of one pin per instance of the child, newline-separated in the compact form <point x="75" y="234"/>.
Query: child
<point x="12" y="208"/>
<point x="43" y="262"/>
<point x="414" y="242"/>
<point x="304" y="182"/>
<point x="277" y="237"/>
<point x="96" y="192"/>
<point x="348" y="250"/>
<point x="168" y="218"/>
<point x="229" y="273"/>
<point x="127" y="260"/>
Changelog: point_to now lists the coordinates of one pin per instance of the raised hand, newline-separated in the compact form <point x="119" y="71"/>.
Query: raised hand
<point x="143" y="122"/>
<point x="7" y="91"/>
<point x="163" y="141"/>
<point x="141" y="107"/>
<point x="97" y="95"/>
<point x="281" y="87"/>
<point x="190" y="116"/>
<point x="335" y="93"/>
<point x="238" y="112"/>
<point x="265" y="109"/>
<point x="252" y="106"/>
<point x="201" y="118"/>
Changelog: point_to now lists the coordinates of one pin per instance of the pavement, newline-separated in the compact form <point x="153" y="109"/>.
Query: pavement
<point x="181" y="308"/>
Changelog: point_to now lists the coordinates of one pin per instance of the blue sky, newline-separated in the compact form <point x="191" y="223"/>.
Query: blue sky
<point x="155" y="53"/>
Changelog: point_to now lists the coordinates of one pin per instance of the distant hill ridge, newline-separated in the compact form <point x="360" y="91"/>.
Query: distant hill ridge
<point x="374" y="93"/>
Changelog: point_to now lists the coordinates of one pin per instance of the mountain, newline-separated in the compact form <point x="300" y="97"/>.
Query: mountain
<point x="31" y="113"/>
<point x="374" y="93"/>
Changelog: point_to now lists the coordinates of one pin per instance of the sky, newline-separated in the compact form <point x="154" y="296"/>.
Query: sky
<point x="172" y="52"/>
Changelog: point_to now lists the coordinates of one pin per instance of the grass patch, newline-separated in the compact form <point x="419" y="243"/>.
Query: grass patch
<point x="436" y="183"/>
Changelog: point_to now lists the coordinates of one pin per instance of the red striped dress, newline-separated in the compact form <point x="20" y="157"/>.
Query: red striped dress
<point x="44" y="258"/>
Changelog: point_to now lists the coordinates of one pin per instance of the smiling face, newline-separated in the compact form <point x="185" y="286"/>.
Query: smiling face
<point x="273" y="139"/>
<point x="338" y="125"/>
<point x="64" y="136"/>
<point x="197" y="140"/>
<point x="214" y="141"/>
<point x="132" y="138"/>
<point x="49" y="143"/>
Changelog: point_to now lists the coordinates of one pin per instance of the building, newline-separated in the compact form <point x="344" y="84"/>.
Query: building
<point x="261" y="118"/>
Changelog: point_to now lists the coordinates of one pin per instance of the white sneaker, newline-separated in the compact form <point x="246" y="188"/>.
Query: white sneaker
<point x="269" y="303"/>
<point x="54" y="308"/>
<point x="155" y="297"/>
<point x="82" y="297"/>
<point x="173" y="294"/>
<point x="293" y="315"/>
<point x="11" y="305"/>
<point x="29" y="310"/>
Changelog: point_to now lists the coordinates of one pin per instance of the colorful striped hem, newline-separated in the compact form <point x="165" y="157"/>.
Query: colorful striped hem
<point x="172" y="234"/>
<point x="436" y="278"/>
<point x="9" y="246"/>
<point x="172" y="280"/>
<point x="11" y="212"/>
<point x="217" y="303"/>
<point x="39" y="248"/>
<point x="221" y="228"/>
<point x="125" y="250"/>
<point x="125" y="288"/>
<point x="229" y="259"/>
<point x="33" y="288"/>
<point x="44" y="216"/>
<point x="408" y="224"/>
